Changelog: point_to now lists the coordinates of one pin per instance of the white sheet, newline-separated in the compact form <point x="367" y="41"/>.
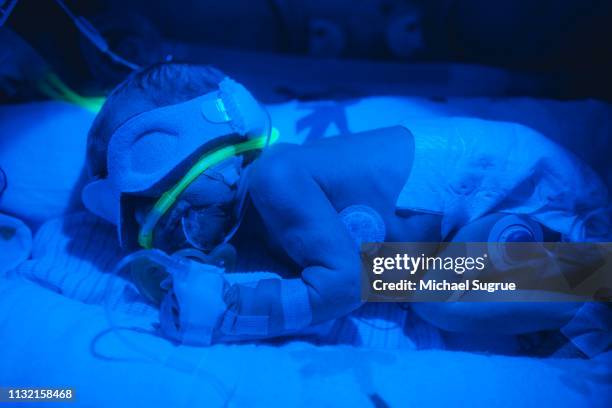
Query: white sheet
<point x="68" y="344"/>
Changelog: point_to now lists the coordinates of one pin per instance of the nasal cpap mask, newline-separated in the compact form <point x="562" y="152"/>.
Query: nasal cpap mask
<point x="169" y="198"/>
<point x="179" y="142"/>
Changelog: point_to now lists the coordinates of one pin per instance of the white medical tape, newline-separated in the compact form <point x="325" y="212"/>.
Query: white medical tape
<point x="297" y="313"/>
<point x="235" y="324"/>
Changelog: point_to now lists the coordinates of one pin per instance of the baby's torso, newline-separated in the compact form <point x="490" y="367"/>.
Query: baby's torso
<point x="371" y="169"/>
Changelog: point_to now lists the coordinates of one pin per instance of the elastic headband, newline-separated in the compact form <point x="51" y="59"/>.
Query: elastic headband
<point x="148" y="147"/>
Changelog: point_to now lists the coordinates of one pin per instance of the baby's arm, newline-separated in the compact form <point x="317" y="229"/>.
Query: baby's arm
<point x="298" y="214"/>
<point x="202" y="307"/>
<point x="296" y="211"/>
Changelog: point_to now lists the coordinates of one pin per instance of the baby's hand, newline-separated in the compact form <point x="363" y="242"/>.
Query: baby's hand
<point x="191" y="309"/>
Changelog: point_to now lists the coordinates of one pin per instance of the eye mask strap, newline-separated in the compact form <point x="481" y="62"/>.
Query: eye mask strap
<point x="167" y="200"/>
<point x="150" y="145"/>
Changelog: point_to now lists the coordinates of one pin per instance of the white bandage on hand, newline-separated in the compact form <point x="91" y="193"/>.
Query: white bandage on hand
<point x="191" y="309"/>
<point x="195" y="309"/>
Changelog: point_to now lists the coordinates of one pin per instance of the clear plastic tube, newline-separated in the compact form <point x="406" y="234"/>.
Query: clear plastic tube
<point x="178" y="364"/>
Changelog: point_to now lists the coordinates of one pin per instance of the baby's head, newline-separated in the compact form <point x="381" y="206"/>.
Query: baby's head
<point x="151" y="139"/>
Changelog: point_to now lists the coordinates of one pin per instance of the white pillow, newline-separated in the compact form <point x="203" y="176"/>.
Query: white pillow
<point x="42" y="152"/>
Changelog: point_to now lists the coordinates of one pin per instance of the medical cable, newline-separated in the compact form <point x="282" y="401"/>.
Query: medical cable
<point x="95" y="37"/>
<point x="54" y="88"/>
<point x="180" y="365"/>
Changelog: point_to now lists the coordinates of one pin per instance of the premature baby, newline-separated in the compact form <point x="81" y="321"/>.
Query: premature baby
<point x="420" y="181"/>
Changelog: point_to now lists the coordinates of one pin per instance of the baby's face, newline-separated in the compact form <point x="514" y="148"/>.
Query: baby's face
<point x="205" y="212"/>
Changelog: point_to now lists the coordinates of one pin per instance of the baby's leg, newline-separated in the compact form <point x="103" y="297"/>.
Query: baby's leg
<point x="499" y="317"/>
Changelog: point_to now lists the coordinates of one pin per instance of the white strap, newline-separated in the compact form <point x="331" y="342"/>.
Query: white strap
<point x="235" y="324"/>
<point x="297" y="312"/>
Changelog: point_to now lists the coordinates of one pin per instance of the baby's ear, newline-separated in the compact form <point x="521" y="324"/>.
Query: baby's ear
<point x="101" y="199"/>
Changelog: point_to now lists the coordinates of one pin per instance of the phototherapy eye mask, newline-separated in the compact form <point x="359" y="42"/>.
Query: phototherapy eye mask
<point x="148" y="147"/>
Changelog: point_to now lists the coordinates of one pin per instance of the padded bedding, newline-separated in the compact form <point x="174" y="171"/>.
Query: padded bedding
<point x="68" y="343"/>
